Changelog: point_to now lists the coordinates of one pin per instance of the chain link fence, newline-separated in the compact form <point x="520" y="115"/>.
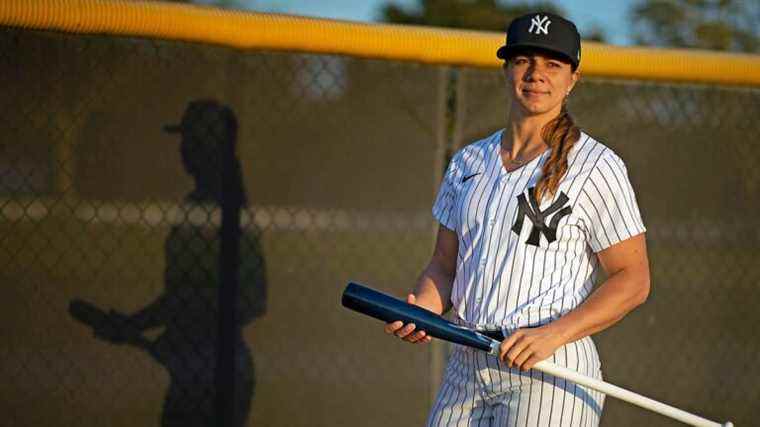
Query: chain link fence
<point x="125" y="165"/>
<point x="112" y="198"/>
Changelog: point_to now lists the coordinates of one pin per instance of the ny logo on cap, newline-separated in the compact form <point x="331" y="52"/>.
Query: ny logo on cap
<point x="539" y="25"/>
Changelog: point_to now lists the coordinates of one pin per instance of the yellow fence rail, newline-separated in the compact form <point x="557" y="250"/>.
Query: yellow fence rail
<point x="248" y="30"/>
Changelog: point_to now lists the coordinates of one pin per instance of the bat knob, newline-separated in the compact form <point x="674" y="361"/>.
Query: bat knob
<point x="728" y="424"/>
<point x="495" y="348"/>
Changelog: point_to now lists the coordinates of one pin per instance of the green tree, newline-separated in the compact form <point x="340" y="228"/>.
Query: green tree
<point x="730" y="25"/>
<point x="224" y="4"/>
<point x="489" y="15"/>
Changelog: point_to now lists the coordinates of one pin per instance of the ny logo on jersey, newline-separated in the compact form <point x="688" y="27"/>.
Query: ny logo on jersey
<point x="530" y="208"/>
<point x="539" y="25"/>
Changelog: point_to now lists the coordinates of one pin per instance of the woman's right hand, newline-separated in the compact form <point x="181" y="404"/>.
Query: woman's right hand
<point x="407" y="332"/>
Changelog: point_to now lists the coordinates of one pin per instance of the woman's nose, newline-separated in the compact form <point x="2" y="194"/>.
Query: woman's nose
<point x="534" y="73"/>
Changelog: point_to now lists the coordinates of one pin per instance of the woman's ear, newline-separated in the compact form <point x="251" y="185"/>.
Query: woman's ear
<point x="575" y="78"/>
<point x="505" y="70"/>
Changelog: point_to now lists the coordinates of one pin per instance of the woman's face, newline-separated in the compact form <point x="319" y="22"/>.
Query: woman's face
<point x="539" y="82"/>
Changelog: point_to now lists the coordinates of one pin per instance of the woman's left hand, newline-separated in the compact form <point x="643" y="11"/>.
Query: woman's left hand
<point x="528" y="346"/>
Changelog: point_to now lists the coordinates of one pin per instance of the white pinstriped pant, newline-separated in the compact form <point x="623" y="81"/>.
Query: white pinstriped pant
<point x="480" y="390"/>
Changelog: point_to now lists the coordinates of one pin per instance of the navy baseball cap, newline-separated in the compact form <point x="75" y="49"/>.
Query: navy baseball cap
<point x="545" y="31"/>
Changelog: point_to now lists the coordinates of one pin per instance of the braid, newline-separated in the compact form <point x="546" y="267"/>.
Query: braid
<point x="560" y="134"/>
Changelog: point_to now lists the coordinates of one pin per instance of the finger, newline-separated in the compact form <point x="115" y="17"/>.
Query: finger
<point x="411" y="299"/>
<point x="524" y="356"/>
<point x="393" y="326"/>
<point x="522" y="342"/>
<point x="416" y="337"/>
<point x="507" y="344"/>
<point x="531" y="362"/>
<point x="425" y="340"/>
<point x="406" y="330"/>
<point x="516" y="353"/>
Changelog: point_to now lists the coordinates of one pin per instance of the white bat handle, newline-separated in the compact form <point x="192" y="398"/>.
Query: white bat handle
<point x="628" y="396"/>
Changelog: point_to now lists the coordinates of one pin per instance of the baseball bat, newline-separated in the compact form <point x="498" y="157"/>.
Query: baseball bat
<point x="390" y="309"/>
<point x="108" y="325"/>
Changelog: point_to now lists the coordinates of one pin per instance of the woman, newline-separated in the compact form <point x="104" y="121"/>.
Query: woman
<point x="528" y="216"/>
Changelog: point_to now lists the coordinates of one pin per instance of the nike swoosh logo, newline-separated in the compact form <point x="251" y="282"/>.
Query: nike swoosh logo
<point x="465" y="179"/>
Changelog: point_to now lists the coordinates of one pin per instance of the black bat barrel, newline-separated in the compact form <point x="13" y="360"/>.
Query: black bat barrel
<point x="389" y="309"/>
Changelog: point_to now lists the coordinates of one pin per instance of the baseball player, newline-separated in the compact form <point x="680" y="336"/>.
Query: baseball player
<point x="528" y="216"/>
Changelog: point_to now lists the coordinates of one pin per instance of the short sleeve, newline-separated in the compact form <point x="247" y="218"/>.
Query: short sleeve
<point x="608" y="204"/>
<point x="443" y="208"/>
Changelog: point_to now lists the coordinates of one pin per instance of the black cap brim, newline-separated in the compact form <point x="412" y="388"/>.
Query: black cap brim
<point x="505" y="52"/>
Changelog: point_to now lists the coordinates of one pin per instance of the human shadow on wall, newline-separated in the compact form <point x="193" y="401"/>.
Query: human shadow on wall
<point x="212" y="265"/>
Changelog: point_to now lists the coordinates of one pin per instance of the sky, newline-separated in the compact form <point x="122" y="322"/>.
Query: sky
<point x="610" y="15"/>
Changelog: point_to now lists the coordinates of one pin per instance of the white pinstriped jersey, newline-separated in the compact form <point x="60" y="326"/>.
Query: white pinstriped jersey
<point x="523" y="265"/>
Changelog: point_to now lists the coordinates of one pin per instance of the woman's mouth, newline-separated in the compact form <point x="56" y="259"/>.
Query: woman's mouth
<point x="534" y="92"/>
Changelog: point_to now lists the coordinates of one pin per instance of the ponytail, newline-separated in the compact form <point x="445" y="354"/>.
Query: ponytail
<point x="560" y="134"/>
